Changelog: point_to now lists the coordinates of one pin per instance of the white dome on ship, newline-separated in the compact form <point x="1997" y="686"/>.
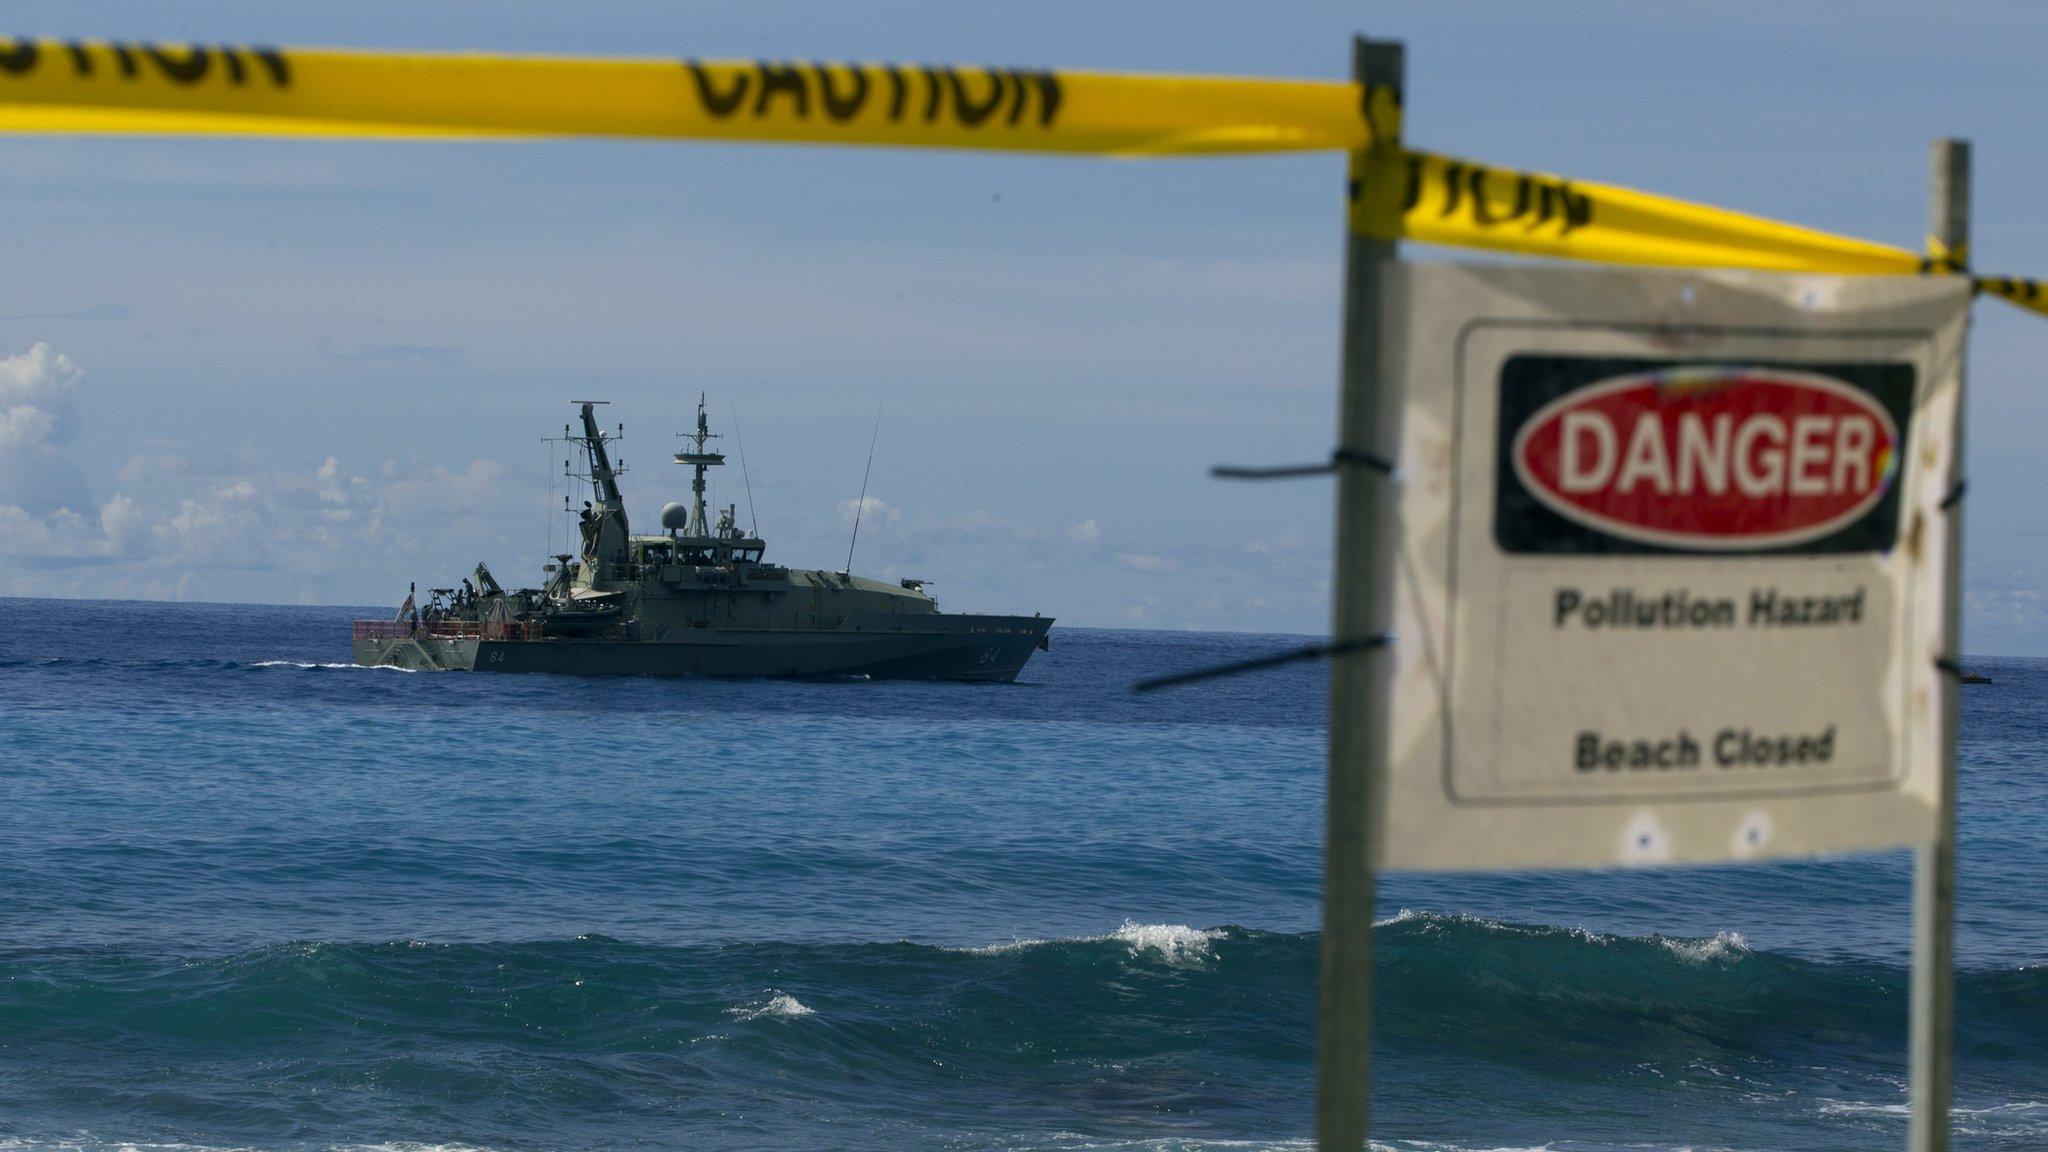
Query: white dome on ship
<point x="675" y="517"/>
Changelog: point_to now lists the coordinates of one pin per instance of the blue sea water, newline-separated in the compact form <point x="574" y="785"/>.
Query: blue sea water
<point x="254" y="898"/>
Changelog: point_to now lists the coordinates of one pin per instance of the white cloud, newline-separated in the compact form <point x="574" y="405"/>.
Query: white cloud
<point x="38" y="416"/>
<point x="37" y="404"/>
<point x="870" y="508"/>
<point x="125" y="526"/>
<point x="1086" y="532"/>
<point x="223" y="530"/>
<point x="24" y="426"/>
<point x="1145" y="562"/>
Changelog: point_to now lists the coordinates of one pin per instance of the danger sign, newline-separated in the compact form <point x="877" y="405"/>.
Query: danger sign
<point x="1713" y="457"/>
<point x="1670" y="583"/>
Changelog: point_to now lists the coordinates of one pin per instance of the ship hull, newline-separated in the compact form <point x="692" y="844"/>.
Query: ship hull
<point x="969" y="648"/>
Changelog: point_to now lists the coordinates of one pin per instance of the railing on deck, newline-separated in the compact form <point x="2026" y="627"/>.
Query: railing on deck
<point x="447" y="630"/>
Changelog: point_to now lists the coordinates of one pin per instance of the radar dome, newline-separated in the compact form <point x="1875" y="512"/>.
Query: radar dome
<point x="675" y="517"/>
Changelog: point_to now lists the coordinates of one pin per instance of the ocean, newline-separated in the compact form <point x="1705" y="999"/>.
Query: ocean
<point x="254" y="898"/>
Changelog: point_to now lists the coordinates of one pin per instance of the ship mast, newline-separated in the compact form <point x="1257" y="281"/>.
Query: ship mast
<point x="697" y="458"/>
<point x="604" y="479"/>
<point x="604" y="529"/>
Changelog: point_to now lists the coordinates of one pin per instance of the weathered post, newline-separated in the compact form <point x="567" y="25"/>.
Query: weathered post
<point x="1359" y="677"/>
<point x="1934" y="865"/>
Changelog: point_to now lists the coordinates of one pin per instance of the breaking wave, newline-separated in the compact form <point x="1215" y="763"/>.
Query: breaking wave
<point x="1139" y="1018"/>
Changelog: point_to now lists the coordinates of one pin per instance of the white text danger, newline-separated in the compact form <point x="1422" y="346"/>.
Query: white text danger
<point x="1760" y="455"/>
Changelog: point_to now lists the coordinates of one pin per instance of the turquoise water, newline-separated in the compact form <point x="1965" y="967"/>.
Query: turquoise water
<point x="253" y="898"/>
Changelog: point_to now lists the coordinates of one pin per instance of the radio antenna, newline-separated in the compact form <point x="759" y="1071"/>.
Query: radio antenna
<point x="752" y="519"/>
<point x="861" y="505"/>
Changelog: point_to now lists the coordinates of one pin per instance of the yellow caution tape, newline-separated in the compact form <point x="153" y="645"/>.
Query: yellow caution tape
<point x="136" y="87"/>
<point x="1441" y="200"/>
<point x="72" y="86"/>
<point x="2028" y="294"/>
<point x="1407" y="195"/>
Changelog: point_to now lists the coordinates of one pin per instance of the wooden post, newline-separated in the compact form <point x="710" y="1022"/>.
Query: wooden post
<point x="1934" y="865"/>
<point x="1359" y="680"/>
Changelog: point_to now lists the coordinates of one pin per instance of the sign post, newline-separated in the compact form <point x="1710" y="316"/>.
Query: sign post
<point x="1934" y="864"/>
<point x="1359" y="680"/>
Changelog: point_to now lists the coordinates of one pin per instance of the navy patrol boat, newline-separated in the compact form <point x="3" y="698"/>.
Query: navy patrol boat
<point x="697" y="599"/>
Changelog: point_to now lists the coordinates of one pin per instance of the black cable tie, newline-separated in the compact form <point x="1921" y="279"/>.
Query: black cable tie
<point x="1372" y="460"/>
<point x="1949" y="665"/>
<point x="1312" y="652"/>
<point x="1338" y="459"/>
<point x="1955" y="495"/>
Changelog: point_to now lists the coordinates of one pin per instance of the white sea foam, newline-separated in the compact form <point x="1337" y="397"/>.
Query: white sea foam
<point x="2016" y="1109"/>
<point x="999" y="949"/>
<point x="1401" y="917"/>
<point x="1724" y="946"/>
<point x="781" y="1006"/>
<point x="1429" y="921"/>
<point x="1175" y="943"/>
<point x="1410" y="916"/>
<point x="1862" y="1108"/>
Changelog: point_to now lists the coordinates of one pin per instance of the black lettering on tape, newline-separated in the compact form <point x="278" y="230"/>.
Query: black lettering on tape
<point x="1578" y="207"/>
<point x="970" y="113"/>
<point x="1482" y="212"/>
<point x="719" y="104"/>
<point x="1365" y="95"/>
<point x="1454" y="183"/>
<point x="898" y="89"/>
<point x="2015" y="288"/>
<point x="19" y="57"/>
<point x="184" y="65"/>
<point x="1048" y="84"/>
<point x="1018" y="93"/>
<point x="782" y="78"/>
<point x="1537" y="200"/>
<point x="1412" y="194"/>
<point x="836" y="106"/>
<point x="273" y="62"/>
<point x="189" y="70"/>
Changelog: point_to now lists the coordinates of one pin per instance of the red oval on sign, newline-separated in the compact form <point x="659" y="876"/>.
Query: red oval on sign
<point x="1711" y="457"/>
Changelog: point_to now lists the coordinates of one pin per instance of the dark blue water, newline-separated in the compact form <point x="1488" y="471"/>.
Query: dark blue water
<point x="251" y="898"/>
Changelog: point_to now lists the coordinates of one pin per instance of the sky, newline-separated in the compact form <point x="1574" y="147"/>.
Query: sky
<point x="312" y="371"/>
